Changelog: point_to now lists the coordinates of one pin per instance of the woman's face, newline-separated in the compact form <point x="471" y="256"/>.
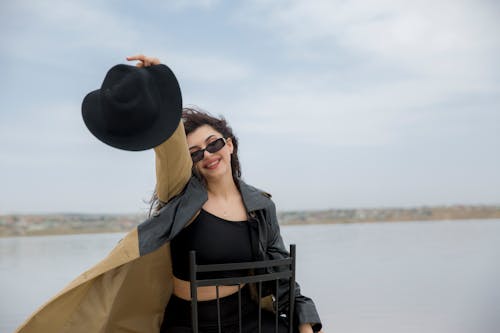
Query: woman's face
<point x="213" y="165"/>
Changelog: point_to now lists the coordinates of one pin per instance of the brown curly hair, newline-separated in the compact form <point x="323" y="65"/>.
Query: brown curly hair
<point x="192" y="118"/>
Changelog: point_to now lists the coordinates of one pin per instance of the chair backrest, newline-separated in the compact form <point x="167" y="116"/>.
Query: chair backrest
<point x="282" y="269"/>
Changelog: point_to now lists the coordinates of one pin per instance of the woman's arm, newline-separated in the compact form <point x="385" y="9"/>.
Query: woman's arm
<point x="172" y="159"/>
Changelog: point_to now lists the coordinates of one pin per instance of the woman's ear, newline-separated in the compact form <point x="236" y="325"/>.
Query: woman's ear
<point x="229" y="143"/>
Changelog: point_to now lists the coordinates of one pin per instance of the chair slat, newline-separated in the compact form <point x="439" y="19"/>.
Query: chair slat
<point x="244" y="279"/>
<point x="276" y="313"/>
<point x="239" y="308"/>
<point x="260" y="306"/>
<point x="194" y="291"/>
<point x="218" y="308"/>
<point x="243" y="265"/>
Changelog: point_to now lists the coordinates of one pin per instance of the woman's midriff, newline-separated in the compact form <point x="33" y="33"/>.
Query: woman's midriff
<point x="182" y="289"/>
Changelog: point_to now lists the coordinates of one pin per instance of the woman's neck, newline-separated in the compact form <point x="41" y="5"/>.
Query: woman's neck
<point x="222" y="188"/>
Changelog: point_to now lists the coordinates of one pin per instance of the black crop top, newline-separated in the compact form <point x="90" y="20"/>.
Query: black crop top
<point x="216" y="241"/>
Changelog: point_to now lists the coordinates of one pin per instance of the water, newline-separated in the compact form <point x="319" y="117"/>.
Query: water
<point x="378" y="277"/>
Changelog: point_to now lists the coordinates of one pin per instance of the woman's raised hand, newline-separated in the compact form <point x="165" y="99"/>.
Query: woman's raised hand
<point x="144" y="61"/>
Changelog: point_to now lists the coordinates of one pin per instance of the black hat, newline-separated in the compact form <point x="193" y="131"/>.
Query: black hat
<point x="136" y="108"/>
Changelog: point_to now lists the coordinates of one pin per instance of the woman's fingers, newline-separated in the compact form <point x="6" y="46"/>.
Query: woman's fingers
<point x="139" y="57"/>
<point x="144" y="61"/>
<point x="154" y="61"/>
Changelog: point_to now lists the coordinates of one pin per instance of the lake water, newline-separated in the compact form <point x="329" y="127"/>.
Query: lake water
<point x="440" y="276"/>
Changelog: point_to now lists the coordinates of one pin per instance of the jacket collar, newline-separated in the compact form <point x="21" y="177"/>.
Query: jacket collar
<point x="253" y="198"/>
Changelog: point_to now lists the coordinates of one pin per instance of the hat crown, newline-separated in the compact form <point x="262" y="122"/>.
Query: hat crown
<point x="135" y="108"/>
<point x="129" y="99"/>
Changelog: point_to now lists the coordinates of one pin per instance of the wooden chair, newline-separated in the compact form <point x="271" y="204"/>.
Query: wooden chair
<point x="284" y="269"/>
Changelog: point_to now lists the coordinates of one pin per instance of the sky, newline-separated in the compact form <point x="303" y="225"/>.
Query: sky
<point x="337" y="104"/>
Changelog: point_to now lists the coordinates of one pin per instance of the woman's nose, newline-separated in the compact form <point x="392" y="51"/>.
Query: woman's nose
<point x="206" y="152"/>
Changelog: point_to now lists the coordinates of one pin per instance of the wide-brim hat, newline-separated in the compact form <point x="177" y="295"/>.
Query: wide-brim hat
<point x="136" y="108"/>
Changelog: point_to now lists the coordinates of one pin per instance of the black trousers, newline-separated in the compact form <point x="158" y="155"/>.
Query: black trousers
<point x="177" y="318"/>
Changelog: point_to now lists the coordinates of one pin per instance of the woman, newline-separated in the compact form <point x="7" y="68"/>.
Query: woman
<point x="214" y="151"/>
<point x="141" y="285"/>
<point x="213" y="148"/>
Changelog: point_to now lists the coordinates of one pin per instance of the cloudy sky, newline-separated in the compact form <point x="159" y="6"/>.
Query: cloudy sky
<point x="337" y="104"/>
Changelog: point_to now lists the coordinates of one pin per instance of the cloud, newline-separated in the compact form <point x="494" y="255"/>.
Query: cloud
<point x="58" y="33"/>
<point x="52" y="31"/>
<point x="320" y="112"/>
<point x="54" y="163"/>
<point x="451" y="39"/>
<point x="189" y="4"/>
<point x="347" y="85"/>
<point x="325" y="117"/>
<point x="205" y="68"/>
<point x="372" y="72"/>
<point x="45" y="134"/>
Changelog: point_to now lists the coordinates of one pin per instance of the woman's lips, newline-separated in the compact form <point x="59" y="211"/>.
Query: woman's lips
<point x="212" y="164"/>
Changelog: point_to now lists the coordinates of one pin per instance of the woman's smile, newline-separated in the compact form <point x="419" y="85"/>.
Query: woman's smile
<point x="211" y="164"/>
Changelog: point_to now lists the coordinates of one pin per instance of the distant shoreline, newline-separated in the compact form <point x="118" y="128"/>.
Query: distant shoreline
<point x="17" y="225"/>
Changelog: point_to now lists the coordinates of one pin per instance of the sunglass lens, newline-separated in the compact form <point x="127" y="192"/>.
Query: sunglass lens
<point x="215" y="146"/>
<point x="212" y="147"/>
<point x="197" y="156"/>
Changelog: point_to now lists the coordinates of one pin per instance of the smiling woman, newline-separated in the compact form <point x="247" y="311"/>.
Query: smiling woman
<point x="200" y="203"/>
<point x="213" y="148"/>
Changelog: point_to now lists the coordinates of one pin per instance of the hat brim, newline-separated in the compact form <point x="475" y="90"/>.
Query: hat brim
<point x="162" y="128"/>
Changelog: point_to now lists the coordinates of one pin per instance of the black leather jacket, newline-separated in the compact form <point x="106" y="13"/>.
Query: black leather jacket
<point x="169" y="221"/>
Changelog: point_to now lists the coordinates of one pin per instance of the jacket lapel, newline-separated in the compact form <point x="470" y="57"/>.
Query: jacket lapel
<point x="253" y="198"/>
<point x="169" y="221"/>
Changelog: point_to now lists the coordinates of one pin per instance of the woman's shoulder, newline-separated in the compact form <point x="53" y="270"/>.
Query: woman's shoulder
<point x="254" y="197"/>
<point x="252" y="189"/>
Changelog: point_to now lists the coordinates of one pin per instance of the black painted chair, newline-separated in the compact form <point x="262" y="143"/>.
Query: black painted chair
<point x="286" y="271"/>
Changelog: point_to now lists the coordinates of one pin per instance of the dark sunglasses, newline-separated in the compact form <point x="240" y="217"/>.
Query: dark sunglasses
<point x="212" y="147"/>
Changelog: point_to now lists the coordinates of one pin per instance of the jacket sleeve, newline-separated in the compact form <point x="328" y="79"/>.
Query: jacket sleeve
<point x="305" y="310"/>
<point x="173" y="165"/>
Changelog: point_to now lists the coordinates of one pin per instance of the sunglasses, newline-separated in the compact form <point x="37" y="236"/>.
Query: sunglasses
<point x="212" y="147"/>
